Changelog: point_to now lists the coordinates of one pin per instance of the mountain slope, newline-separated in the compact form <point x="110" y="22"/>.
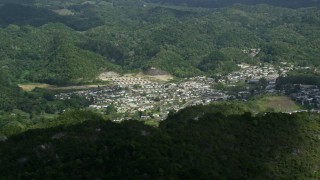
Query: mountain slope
<point x="188" y="145"/>
<point x="103" y="36"/>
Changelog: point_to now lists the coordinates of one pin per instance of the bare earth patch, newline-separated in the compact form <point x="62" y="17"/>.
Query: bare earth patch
<point x="80" y="87"/>
<point x="107" y="76"/>
<point x="32" y="86"/>
<point x="161" y="77"/>
<point x="64" y="12"/>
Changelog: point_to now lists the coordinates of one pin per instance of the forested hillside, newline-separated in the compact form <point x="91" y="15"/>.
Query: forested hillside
<point x="195" y="143"/>
<point x="70" y="42"/>
<point x="67" y="42"/>
<point x="19" y="110"/>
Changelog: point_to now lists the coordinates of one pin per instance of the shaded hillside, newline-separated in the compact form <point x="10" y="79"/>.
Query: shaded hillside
<point x="188" y="145"/>
<point x="36" y="16"/>
<point x="22" y="15"/>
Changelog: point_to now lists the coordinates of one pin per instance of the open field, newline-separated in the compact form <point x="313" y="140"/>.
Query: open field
<point x="275" y="103"/>
<point x="164" y="78"/>
<point x="32" y="86"/>
<point x="77" y="87"/>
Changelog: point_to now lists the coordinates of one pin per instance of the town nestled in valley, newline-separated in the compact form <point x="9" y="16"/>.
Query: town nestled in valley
<point x="152" y="99"/>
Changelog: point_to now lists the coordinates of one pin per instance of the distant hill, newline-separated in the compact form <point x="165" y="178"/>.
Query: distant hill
<point x="23" y="15"/>
<point x="28" y="14"/>
<point x="225" y="3"/>
<point x="193" y="3"/>
<point x="182" y="40"/>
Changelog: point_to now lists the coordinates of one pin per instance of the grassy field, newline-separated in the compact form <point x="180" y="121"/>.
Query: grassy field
<point x="32" y="86"/>
<point x="275" y="104"/>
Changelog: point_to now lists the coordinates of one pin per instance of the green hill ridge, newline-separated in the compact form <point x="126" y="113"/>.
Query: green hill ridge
<point x="187" y="145"/>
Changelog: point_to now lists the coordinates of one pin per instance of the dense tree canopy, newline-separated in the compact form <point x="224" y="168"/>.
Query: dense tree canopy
<point x="91" y="37"/>
<point x="194" y="143"/>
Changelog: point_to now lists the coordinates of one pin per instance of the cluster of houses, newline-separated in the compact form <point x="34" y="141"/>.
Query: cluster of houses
<point x="307" y="95"/>
<point x="249" y="73"/>
<point x="154" y="100"/>
<point x="158" y="99"/>
<point x="286" y="67"/>
<point x="252" y="52"/>
<point x="252" y="74"/>
<point x="130" y="81"/>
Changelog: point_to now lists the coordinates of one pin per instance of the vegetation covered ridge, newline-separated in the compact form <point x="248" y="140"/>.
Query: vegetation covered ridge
<point x="92" y="38"/>
<point x="193" y="143"/>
